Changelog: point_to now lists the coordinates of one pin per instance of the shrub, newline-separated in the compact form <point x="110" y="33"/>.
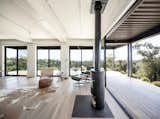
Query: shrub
<point x="135" y="76"/>
<point x="145" y="79"/>
<point x="156" y="83"/>
<point x="123" y="72"/>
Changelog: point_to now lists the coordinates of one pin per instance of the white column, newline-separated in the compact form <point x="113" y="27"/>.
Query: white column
<point x="1" y="60"/>
<point x="65" y="59"/>
<point x="32" y="60"/>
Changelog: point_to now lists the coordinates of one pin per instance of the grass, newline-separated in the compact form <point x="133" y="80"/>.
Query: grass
<point x="156" y="83"/>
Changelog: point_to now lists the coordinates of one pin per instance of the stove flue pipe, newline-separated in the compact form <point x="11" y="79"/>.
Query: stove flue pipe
<point x="97" y="9"/>
<point x="98" y="77"/>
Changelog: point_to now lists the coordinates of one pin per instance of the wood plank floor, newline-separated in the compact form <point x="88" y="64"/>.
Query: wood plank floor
<point x="140" y="98"/>
<point x="51" y="105"/>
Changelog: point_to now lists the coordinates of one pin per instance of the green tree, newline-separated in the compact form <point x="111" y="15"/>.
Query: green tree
<point x="150" y="66"/>
<point x="121" y="65"/>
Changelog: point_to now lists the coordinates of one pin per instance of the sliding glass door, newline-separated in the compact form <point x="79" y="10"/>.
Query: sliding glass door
<point x="48" y="57"/>
<point x="15" y="61"/>
<point x="22" y="62"/>
<point x="11" y="61"/>
<point x="87" y="59"/>
<point x="55" y="60"/>
<point x="81" y="59"/>
<point x="75" y="61"/>
<point x="42" y="60"/>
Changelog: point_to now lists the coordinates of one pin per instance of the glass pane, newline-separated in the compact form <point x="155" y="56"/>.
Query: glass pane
<point x="102" y="59"/>
<point x="87" y="59"/>
<point x="75" y="61"/>
<point x="146" y="60"/>
<point x="109" y="59"/>
<point x="42" y="59"/>
<point x="55" y="60"/>
<point x="22" y="62"/>
<point x="11" y="61"/>
<point x="121" y="59"/>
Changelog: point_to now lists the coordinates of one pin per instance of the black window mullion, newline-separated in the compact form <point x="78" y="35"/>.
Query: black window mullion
<point x="81" y="60"/>
<point x="48" y="57"/>
<point x="17" y="67"/>
<point x="37" y="61"/>
<point x="5" y="61"/>
<point x="69" y="61"/>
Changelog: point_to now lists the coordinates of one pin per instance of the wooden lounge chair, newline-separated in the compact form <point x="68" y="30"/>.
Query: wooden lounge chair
<point x="46" y="78"/>
<point x="47" y="73"/>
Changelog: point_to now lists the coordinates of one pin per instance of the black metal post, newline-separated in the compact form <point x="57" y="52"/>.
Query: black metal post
<point x="129" y="65"/>
<point x="105" y="65"/>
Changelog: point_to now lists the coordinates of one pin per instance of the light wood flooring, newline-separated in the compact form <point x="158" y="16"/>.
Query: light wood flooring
<point x="46" y="104"/>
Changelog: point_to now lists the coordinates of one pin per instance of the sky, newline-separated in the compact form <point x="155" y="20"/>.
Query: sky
<point x="54" y="54"/>
<point x="120" y="53"/>
<point x="13" y="53"/>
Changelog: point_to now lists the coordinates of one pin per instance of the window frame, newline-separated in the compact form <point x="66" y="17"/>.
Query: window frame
<point x="17" y="48"/>
<point x="80" y="48"/>
<point x="47" y="48"/>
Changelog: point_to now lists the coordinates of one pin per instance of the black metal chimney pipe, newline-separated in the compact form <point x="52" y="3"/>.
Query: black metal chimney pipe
<point x="97" y="8"/>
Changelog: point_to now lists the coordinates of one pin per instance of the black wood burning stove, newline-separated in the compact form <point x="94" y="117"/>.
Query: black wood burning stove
<point x="98" y="77"/>
<point x="97" y="89"/>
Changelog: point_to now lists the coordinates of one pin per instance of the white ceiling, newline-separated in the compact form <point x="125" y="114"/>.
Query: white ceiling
<point x="55" y="19"/>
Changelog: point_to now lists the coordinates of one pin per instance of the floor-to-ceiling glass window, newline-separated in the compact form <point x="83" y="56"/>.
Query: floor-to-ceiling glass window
<point x="15" y="61"/>
<point x="87" y="59"/>
<point x="22" y="62"/>
<point x="55" y="60"/>
<point x="75" y="61"/>
<point x="110" y="59"/>
<point x="42" y="61"/>
<point x="102" y="59"/>
<point x="48" y="57"/>
<point x="81" y="59"/>
<point x="146" y="60"/>
<point x="121" y="59"/>
<point x="11" y="61"/>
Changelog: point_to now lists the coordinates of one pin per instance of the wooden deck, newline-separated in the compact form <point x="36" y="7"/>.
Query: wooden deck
<point x="140" y="98"/>
<point x="53" y="105"/>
